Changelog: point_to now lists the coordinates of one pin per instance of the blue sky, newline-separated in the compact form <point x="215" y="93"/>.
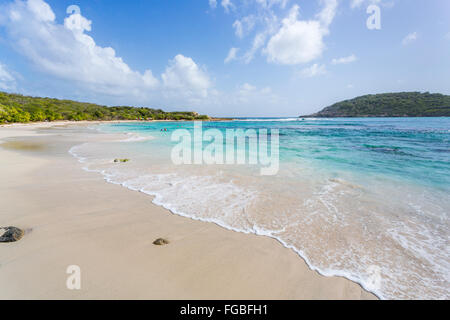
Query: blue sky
<point x="223" y="57"/>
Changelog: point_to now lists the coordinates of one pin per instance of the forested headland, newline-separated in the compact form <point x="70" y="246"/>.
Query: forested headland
<point x="18" y="108"/>
<point x="402" y="104"/>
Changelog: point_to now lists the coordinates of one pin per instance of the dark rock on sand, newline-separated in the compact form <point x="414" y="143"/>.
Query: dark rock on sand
<point x="10" y="234"/>
<point x="160" y="242"/>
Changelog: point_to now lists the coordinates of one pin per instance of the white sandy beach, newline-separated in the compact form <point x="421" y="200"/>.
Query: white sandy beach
<point x="73" y="217"/>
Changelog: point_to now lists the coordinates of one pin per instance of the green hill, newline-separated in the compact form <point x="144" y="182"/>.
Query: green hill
<point x="18" y="108"/>
<point x="403" y="104"/>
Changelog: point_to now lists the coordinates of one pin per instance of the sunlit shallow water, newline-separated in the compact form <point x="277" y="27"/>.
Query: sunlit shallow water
<point x="367" y="199"/>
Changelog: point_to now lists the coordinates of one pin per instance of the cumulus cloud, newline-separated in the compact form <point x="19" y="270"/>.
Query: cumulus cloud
<point x="231" y="55"/>
<point x="313" y="71"/>
<point x="7" y="80"/>
<point x="259" y="23"/>
<point x="66" y="51"/>
<point x="184" y="75"/>
<point x="410" y="38"/>
<point x="344" y="60"/>
<point x="284" y="41"/>
<point x="301" y="41"/>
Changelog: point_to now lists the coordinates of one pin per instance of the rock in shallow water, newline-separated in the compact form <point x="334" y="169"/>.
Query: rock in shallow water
<point x="121" y="160"/>
<point x="160" y="242"/>
<point x="10" y="234"/>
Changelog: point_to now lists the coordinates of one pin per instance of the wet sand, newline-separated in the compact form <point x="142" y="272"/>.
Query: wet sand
<point x="72" y="217"/>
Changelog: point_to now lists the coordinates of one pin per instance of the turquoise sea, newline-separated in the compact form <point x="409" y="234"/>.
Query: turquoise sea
<point x="367" y="199"/>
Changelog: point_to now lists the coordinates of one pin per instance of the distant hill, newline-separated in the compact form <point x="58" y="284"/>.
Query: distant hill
<point x="403" y="104"/>
<point x="18" y="108"/>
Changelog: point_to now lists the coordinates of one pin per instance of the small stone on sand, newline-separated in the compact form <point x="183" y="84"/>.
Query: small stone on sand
<point x="160" y="242"/>
<point x="10" y="234"/>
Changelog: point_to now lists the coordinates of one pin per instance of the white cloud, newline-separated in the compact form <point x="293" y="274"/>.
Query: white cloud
<point x="184" y="75"/>
<point x="271" y="3"/>
<point x="258" y="42"/>
<point x="213" y="4"/>
<point x="262" y="19"/>
<point x="246" y="99"/>
<point x="447" y="36"/>
<point x="227" y="5"/>
<point x="7" y="80"/>
<point x="238" y="28"/>
<point x="248" y="94"/>
<point x="409" y="38"/>
<point x="246" y="87"/>
<point x="301" y="41"/>
<point x="344" y="60"/>
<point x="244" y="25"/>
<point x="231" y="55"/>
<point x="41" y="10"/>
<point x="359" y="3"/>
<point x="313" y="71"/>
<point x="67" y="52"/>
<point x="326" y="16"/>
<point x="356" y="3"/>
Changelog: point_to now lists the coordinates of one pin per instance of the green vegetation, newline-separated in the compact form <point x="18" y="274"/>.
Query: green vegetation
<point x="403" y="104"/>
<point x="18" y="108"/>
<point x="121" y="160"/>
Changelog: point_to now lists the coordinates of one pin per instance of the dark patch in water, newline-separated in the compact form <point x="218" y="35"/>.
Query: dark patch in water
<point x="442" y="150"/>
<point x="388" y="150"/>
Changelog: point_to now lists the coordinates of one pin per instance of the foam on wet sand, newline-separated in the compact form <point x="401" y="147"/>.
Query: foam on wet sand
<point x="108" y="231"/>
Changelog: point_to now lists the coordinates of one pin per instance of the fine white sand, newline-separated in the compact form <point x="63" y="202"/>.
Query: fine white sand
<point x="73" y="217"/>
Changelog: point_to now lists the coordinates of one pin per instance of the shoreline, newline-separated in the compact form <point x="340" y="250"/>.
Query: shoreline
<point x="35" y="125"/>
<point x="109" y="230"/>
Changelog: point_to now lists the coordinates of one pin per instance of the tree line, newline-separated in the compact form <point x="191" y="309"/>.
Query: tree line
<point x="402" y="104"/>
<point x="18" y="108"/>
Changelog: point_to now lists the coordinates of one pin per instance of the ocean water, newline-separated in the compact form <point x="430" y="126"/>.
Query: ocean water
<point x="366" y="199"/>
